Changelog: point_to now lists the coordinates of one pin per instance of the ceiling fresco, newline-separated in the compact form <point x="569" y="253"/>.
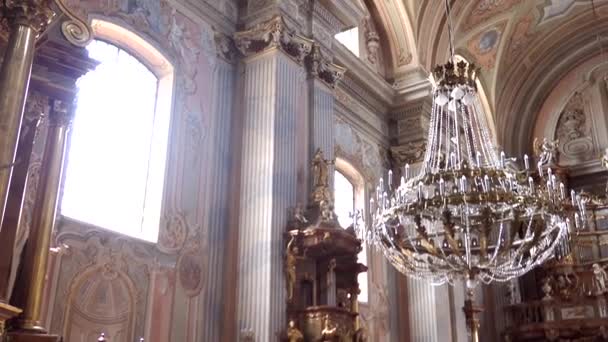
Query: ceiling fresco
<point x="516" y="42"/>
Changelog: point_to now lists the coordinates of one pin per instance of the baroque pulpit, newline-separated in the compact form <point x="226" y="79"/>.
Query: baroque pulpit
<point x="321" y="269"/>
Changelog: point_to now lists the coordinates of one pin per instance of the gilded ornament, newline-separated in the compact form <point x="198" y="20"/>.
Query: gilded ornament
<point x="293" y="334"/>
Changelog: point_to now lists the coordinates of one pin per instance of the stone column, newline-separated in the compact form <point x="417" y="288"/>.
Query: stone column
<point x="223" y="85"/>
<point x="26" y="19"/>
<point x="274" y="98"/>
<point x="36" y="252"/>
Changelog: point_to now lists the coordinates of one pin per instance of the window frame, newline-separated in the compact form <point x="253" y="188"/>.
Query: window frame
<point x="127" y="40"/>
<point x="359" y="194"/>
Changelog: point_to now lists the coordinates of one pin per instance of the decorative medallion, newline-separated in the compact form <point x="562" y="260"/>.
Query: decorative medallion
<point x="173" y="233"/>
<point x="484" y="46"/>
<point x="191" y="266"/>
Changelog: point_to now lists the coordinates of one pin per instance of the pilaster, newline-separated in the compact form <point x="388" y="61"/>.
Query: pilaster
<point x="274" y="100"/>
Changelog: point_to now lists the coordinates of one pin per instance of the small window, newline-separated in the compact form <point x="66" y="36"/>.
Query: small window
<point x="116" y="159"/>
<point x="350" y="39"/>
<point x="344" y="207"/>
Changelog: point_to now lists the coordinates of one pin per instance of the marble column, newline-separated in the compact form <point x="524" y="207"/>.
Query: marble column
<point x="422" y="311"/>
<point x="274" y="97"/>
<point x="223" y="85"/>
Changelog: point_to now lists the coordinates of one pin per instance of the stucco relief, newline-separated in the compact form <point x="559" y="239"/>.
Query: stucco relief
<point x="555" y="8"/>
<point x="575" y="142"/>
<point x="103" y="285"/>
<point x="369" y="158"/>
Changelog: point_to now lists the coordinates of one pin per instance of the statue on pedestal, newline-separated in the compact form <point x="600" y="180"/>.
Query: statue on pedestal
<point x="320" y="173"/>
<point x="331" y="283"/>
<point x="290" y="267"/>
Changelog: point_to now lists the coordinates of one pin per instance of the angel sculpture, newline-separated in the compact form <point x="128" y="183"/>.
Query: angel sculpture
<point x="546" y="151"/>
<point x="293" y="334"/>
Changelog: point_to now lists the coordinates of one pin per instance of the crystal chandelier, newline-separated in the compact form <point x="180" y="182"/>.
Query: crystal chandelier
<point x="468" y="213"/>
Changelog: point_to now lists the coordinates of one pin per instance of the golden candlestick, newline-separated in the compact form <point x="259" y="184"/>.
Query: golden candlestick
<point x="43" y="218"/>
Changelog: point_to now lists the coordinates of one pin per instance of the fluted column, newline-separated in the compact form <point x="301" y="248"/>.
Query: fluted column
<point x="26" y="19"/>
<point x="36" y="251"/>
<point x="223" y="84"/>
<point x="274" y="100"/>
<point x="422" y="311"/>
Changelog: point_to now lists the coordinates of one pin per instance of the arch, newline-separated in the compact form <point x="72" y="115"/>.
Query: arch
<point x="148" y="153"/>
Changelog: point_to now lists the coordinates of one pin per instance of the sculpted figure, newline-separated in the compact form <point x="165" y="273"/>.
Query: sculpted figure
<point x="320" y="173"/>
<point x="546" y="151"/>
<point x="600" y="279"/>
<point x="293" y="334"/>
<point x="290" y="267"/>
<point x="328" y="333"/>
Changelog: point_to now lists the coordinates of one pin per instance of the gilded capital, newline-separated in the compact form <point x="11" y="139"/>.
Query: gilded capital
<point x="60" y="113"/>
<point x="273" y="33"/>
<point x="36" y="14"/>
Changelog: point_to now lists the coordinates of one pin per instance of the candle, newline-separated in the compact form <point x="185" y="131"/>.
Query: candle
<point x="502" y="159"/>
<point x="540" y="169"/>
<point x="463" y="184"/>
<point x="441" y="187"/>
<point x="526" y="162"/>
<point x="419" y="190"/>
<point x="406" y="171"/>
<point x="478" y="159"/>
<point x="562" y="191"/>
<point x="573" y="197"/>
<point x="531" y="184"/>
<point x="390" y="179"/>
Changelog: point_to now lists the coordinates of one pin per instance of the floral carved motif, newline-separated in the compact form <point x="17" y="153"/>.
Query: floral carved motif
<point x="273" y="33"/>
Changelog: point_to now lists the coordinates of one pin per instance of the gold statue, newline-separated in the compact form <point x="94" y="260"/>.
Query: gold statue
<point x="290" y="267"/>
<point x="293" y="334"/>
<point x="320" y="172"/>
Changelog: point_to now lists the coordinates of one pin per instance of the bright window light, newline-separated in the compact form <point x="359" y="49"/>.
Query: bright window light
<point x="116" y="159"/>
<point x="350" y="39"/>
<point x="344" y="207"/>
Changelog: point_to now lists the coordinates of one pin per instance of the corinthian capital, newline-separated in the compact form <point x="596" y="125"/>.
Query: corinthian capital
<point x="273" y="34"/>
<point x="322" y="67"/>
<point x="36" y="14"/>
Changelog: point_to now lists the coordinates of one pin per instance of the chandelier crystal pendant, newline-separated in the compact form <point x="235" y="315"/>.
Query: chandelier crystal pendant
<point x="468" y="213"/>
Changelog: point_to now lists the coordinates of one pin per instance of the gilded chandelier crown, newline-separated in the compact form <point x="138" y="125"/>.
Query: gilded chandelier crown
<point x="451" y="75"/>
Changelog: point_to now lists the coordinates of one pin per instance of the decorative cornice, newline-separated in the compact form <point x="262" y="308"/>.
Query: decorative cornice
<point x="322" y="67"/>
<point x="273" y="34"/>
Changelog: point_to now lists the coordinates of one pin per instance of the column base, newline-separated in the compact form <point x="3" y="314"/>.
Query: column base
<point x="6" y="312"/>
<point x="26" y="336"/>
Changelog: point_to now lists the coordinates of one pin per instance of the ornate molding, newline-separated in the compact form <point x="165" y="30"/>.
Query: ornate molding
<point x="76" y="30"/>
<point x="36" y="14"/>
<point x="225" y="46"/>
<point x="322" y="67"/>
<point x="270" y="34"/>
<point x="60" y="113"/>
<point x="409" y="153"/>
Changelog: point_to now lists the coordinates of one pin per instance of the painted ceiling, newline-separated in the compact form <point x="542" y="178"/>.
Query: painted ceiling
<point x="520" y="44"/>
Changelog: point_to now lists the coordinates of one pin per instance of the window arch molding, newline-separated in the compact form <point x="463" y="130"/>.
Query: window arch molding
<point x="157" y="120"/>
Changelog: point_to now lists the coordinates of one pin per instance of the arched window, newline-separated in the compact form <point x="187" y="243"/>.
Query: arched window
<point x="118" y="146"/>
<point x="347" y="197"/>
<point x="350" y="39"/>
